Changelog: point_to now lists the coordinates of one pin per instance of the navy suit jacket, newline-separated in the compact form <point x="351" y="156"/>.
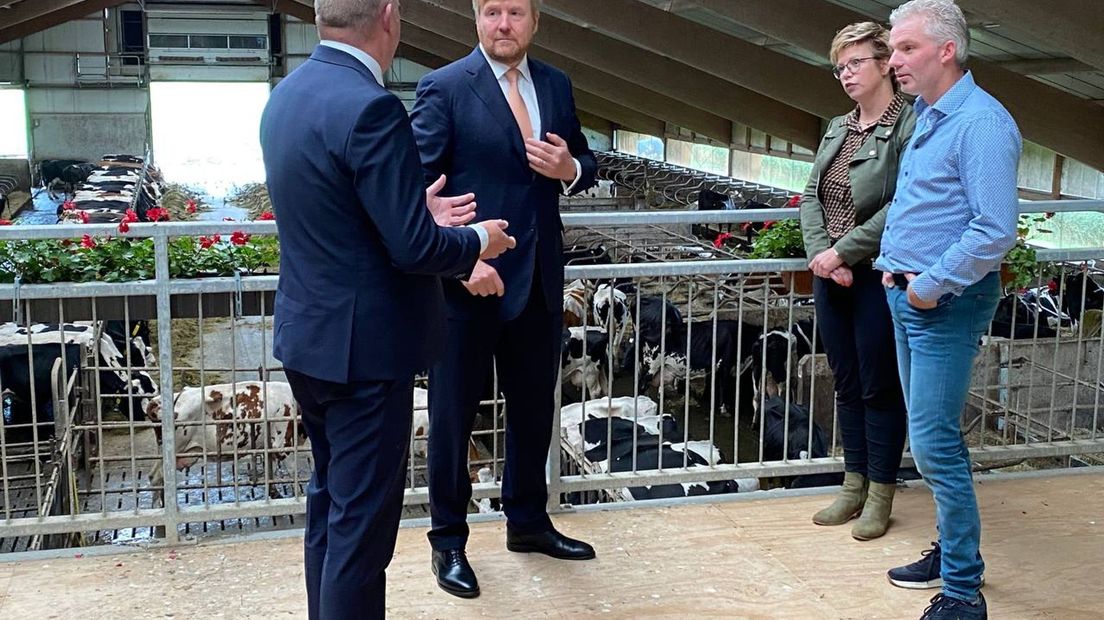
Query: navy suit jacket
<point x="465" y="130"/>
<point x="359" y="296"/>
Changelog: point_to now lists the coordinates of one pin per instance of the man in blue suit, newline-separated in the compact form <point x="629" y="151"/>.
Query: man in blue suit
<point x="501" y="125"/>
<point x="359" y="308"/>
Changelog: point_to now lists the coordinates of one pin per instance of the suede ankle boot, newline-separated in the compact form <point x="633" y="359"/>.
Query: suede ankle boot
<point x="848" y="503"/>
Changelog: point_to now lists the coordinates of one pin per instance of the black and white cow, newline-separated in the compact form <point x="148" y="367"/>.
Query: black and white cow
<point x="1018" y="320"/>
<point x="718" y="347"/>
<point x="1043" y="300"/>
<point x="771" y="353"/>
<point x="29" y="376"/>
<point x="615" y="435"/>
<point x="121" y="385"/>
<point x="790" y="440"/>
<point x="1080" y="293"/>
<point x="50" y="170"/>
<point x="584" y="360"/>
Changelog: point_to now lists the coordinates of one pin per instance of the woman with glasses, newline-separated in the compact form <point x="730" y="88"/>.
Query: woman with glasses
<point x="843" y="211"/>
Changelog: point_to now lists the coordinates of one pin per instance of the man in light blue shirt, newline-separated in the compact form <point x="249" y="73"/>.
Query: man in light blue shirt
<point x="951" y="222"/>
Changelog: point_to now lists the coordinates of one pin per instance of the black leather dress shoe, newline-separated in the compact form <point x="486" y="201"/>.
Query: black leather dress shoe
<point x="550" y="543"/>
<point x="454" y="573"/>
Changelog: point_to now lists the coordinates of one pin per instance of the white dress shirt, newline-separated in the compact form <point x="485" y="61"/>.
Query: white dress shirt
<point x="529" y="96"/>
<point x="377" y="72"/>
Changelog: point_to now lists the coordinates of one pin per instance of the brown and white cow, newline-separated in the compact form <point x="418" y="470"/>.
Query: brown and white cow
<point x="227" y="421"/>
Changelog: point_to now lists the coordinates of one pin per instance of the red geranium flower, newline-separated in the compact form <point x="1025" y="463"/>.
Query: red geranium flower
<point x="124" y="226"/>
<point x="190" y="206"/>
<point x="795" y="200"/>
<point x="767" y="224"/>
<point x="239" y="238"/>
<point x="83" y="216"/>
<point x="721" y="238"/>
<point x="5" y="223"/>
<point x="157" y="214"/>
<point x="267" y="215"/>
<point x="88" y="242"/>
<point x="68" y="205"/>
<point x="130" y="216"/>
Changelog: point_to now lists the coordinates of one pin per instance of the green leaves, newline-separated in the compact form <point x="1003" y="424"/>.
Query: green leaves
<point x="780" y="239"/>
<point x="47" y="261"/>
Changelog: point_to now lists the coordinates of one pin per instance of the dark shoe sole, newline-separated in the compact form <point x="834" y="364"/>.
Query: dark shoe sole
<point x="523" y="548"/>
<point x="460" y="593"/>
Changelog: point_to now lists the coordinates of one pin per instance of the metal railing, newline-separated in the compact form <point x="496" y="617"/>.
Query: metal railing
<point x="1034" y="397"/>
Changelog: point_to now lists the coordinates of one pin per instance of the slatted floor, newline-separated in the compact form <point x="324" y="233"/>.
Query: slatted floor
<point x="760" y="558"/>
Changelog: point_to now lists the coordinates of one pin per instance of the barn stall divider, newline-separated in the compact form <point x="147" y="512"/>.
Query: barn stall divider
<point x="688" y="369"/>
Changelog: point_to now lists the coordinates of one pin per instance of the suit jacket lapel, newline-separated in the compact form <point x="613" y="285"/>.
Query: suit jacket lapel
<point x="485" y="86"/>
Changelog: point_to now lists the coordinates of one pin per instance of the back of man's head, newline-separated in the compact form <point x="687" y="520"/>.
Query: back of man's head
<point x="346" y="13"/>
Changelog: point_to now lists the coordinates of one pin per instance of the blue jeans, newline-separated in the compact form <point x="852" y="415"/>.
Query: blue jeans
<point x="935" y="354"/>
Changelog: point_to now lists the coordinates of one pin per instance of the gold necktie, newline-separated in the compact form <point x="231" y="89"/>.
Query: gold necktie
<point x="517" y="104"/>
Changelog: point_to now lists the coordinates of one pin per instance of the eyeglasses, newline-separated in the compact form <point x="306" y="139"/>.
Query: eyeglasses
<point x="852" y="66"/>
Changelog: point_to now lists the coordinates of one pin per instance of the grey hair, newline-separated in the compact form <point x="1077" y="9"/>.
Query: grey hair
<point x="536" y="4"/>
<point x="943" y="21"/>
<point x="346" y="13"/>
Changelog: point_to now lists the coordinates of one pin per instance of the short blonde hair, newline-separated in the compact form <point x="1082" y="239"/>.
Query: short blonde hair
<point x="873" y="33"/>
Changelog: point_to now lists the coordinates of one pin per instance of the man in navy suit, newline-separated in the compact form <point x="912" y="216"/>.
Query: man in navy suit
<point x="359" y="308"/>
<point x="501" y="125"/>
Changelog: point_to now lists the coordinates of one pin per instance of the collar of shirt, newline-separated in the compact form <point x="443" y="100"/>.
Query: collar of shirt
<point x="951" y="100"/>
<point x="887" y="119"/>
<point x="500" y="69"/>
<point x="364" y="57"/>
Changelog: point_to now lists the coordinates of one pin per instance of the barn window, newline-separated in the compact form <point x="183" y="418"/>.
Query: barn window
<point x="205" y="133"/>
<point x="13" y="123"/>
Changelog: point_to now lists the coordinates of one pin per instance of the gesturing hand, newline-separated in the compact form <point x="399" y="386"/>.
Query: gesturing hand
<point x="497" y="239"/>
<point x="551" y="160"/>
<point x="454" y="211"/>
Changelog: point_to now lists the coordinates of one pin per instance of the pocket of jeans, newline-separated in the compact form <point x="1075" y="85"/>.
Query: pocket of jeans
<point x="944" y="301"/>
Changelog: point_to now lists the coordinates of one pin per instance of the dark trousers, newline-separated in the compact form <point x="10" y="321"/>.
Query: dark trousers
<point x="360" y="434"/>
<point x="857" y="330"/>
<point x="526" y="353"/>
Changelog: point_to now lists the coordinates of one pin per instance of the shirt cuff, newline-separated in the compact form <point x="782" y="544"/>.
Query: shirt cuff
<point x="926" y="288"/>
<point x="484" y="240"/>
<point x="578" y="173"/>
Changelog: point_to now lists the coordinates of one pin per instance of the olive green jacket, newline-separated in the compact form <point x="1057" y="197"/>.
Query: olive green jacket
<point x="873" y="173"/>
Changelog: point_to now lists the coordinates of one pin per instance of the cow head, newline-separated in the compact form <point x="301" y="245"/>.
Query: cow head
<point x="584" y="360"/>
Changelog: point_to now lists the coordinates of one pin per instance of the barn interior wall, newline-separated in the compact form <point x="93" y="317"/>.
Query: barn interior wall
<point x="73" y="113"/>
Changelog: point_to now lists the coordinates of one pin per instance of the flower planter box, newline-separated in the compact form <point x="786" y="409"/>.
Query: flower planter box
<point x="144" y="307"/>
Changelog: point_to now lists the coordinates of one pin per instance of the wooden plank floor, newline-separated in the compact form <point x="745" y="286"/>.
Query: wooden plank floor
<point x="1044" y="545"/>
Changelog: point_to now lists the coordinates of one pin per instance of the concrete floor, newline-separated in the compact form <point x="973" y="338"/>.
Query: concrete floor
<point x="763" y="558"/>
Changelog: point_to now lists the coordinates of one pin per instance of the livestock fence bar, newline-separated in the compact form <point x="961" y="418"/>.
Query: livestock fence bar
<point x="695" y="371"/>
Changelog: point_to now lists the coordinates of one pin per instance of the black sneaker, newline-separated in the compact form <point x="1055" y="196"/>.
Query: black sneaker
<point x="921" y="574"/>
<point x="947" y="608"/>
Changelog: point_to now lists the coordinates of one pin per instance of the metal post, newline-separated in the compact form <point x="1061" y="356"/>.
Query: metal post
<point x="164" y="360"/>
